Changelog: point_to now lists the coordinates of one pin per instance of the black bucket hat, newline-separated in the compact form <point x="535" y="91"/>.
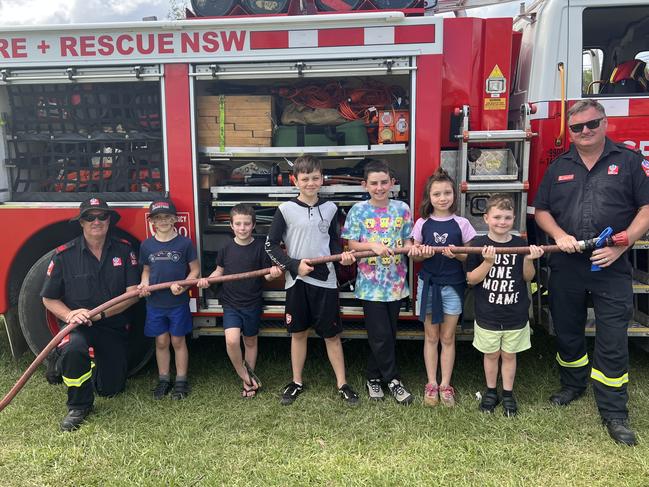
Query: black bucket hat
<point x="95" y="203"/>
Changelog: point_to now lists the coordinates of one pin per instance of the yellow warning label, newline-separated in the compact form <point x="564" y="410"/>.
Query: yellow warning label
<point x="496" y="72"/>
<point x="495" y="104"/>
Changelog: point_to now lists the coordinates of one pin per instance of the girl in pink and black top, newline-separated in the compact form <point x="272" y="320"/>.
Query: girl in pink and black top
<point x="441" y="282"/>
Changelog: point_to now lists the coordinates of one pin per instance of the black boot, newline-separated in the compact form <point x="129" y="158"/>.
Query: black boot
<point x="618" y="429"/>
<point x="565" y="396"/>
<point x="74" y="418"/>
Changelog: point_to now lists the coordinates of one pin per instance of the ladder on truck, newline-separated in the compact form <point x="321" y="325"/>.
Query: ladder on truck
<point x="486" y="171"/>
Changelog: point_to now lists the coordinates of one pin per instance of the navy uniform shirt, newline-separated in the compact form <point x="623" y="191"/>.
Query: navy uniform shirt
<point x="77" y="278"/>
<point x="583" y="202"/>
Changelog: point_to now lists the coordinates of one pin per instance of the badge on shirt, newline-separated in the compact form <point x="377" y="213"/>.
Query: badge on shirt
<point x="50" y="268"/>
<point x="117" y="261"/>
<point x="645" y="167"/>
<point x="566" y="177"/>
<point x="133" y="258"/>
<point x="613" y="169"/>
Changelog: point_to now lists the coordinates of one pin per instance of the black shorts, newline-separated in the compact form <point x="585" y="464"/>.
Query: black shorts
<point x="312" y="306"/>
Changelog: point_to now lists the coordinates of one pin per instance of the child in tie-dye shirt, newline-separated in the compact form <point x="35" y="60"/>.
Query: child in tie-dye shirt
<point x="380" y="224"/>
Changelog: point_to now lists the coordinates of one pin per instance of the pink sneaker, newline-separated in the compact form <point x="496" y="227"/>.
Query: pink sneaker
<point x="431" y="395"/>
<point x="447" y="396"/>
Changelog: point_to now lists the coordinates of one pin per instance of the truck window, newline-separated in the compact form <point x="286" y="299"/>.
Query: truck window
<point x="591" y="70"/>
<point x="65" y="140"/>
<point x="613" y="38"/>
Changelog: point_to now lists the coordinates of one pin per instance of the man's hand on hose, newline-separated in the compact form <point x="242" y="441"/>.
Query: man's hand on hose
<point x="79" y="316"/>
<point x="568" y="244"/>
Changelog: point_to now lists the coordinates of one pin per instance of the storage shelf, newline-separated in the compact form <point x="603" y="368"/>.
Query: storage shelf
<point x="324" y="151"/>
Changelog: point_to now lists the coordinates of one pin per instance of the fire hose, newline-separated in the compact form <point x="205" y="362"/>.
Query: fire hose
<point x="604" y="240"/>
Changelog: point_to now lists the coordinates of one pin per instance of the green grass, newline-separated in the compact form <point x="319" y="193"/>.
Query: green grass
<point x="216" y="438"/>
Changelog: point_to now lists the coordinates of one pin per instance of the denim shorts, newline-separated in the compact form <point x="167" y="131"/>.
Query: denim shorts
<point x="451" y="301"/>
<point x="246" y="319"/>
<point x="176" y="321"/>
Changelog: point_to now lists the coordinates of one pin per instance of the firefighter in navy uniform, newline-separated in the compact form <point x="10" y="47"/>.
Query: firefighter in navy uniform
<point x="596" y="184"/>
<point x="84" y="273"/>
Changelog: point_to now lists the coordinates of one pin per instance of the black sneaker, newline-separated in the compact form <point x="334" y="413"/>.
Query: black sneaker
<point x="489" y="402"/>
<point x="348" y="394"/>
<point x="400" y="393"/>
<point x="180" y="390"/>
<point x="162" y="389"/>
<point x="290" y="393"/>
<point x="618" y="429"/>
<point x="53" y="373"/>
<point x="74" y="418"/>
<point x="510" y="408"/>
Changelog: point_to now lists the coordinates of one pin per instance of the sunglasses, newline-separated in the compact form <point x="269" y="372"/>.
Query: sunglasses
<point x="592" y="125"/>
<point x="91" y="218"/>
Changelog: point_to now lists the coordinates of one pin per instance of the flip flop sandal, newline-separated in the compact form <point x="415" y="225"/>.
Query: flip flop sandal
<point x="252" y="375"/>
<point x="248" y="393"/>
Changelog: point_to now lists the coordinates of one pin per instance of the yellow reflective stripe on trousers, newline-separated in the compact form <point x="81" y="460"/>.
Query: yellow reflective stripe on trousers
<point x="79" y="382"/>
<point x="609" y="381"/>
<point x="577" y="363"/>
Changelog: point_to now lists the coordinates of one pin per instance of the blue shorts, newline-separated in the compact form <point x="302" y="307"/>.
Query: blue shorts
<point x="246" y="319"/>
<point x="176" y="321"/>
<point x="451" y="301"/>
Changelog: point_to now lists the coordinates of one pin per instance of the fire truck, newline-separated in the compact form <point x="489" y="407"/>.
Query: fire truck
<point x="212" y="112"/>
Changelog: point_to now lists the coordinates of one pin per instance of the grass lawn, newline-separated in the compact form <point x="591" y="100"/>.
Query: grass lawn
<point x="216" y="438"/>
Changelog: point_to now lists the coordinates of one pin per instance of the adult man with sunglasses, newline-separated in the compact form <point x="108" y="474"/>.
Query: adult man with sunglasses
<point x="84" y="273"/>
<point x="595" y="184"/>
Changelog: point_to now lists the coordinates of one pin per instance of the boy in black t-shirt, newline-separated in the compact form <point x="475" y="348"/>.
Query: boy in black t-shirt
<point x="242" y="300"/>
<point x="502" y="304"/>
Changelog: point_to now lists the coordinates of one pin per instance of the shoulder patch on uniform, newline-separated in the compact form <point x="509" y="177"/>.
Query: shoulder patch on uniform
<point x="64" y="247"/>
<point x="124" y="241"/>
<point x="629" y="147"/>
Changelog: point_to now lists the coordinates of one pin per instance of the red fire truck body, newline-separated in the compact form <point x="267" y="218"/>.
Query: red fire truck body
<point x="84" y="104"/>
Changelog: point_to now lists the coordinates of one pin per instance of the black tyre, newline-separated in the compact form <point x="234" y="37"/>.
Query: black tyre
<point x="212" y="8"/>
<point x="337" y="5"/>
<point x="263" y="7"/>
<point x="39" y="326"/>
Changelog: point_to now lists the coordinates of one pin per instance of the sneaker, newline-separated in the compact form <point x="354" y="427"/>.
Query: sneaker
<point x="400" y="393"/>
<point x="489" y="402"/>
<point x="348" y="394"/>
<point x="447" y="396"/>
<point x="510" y="408"/>
<point x="290" y="393"/>
<point x="162" y="389"/>
<point x="431" y="395"/>
<point x="74" y="418"/>
<point x="180" y="390"/>
<point x="375" y="389"/>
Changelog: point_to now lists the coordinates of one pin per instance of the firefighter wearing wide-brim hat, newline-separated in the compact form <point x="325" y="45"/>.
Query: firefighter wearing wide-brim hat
<point x="84" y="273"/>
<point x="595" y="184"/>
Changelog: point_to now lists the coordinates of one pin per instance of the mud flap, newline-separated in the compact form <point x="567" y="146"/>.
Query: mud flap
<point x="17" y="342"/>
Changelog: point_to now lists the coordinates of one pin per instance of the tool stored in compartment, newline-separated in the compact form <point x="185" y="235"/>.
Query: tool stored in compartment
<point x="393" y="126"/>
